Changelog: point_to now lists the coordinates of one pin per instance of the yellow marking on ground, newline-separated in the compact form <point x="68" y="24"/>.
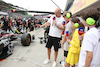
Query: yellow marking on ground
<point x="32" y="31"/>
<point x="39" y="32"/>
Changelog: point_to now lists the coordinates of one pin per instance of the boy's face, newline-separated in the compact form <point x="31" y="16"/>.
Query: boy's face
<point x="65" y="18"/>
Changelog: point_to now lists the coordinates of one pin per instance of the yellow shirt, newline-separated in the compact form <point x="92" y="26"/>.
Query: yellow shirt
<point x="75" y="43"/>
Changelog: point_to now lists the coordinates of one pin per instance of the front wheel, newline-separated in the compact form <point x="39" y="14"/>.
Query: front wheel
<point x="26" y="39"/>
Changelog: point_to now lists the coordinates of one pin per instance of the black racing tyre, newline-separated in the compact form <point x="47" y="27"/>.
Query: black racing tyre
<point x="1" y="50"/>
<point x="7" y="51"/>
<point x="10" y="48"/>
<point x="26" y="39"/>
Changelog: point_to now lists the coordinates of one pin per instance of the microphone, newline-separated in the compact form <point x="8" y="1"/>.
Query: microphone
<point x="80" y="32"/>
<point x="67" y="33"/>
<point x="63" y="23"/>
<point x="54" y="18"/>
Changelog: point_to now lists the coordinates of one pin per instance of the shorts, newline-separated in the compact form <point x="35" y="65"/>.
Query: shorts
<point x="26" y="27"/>
<point x="53" y="41"/>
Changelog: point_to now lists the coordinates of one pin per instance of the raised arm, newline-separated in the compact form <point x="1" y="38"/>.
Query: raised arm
<point x="45" y="24"/>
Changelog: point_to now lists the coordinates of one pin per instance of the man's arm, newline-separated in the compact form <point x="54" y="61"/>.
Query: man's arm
<point x="89" y="56"/>
<point x="60" y="27"/>
<point x="45" y="24"/>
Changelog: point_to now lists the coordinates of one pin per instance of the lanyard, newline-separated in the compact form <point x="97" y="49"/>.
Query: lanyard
<point x="92" y="26"/>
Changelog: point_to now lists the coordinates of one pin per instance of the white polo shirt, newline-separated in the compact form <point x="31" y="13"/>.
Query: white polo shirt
<point x="54" y="30"/>
<point x="71" y="31"/>
<point x="91" y="42"/>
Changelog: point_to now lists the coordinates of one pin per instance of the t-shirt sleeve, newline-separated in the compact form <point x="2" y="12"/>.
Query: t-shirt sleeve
<point x="49" y="21"/>
<point x="88" y="42"/>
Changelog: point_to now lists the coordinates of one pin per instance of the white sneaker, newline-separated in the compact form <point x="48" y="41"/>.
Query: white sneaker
<point x="47" y="61"/>
<point x="63" y="63"/>
<point x="54" y="64"/>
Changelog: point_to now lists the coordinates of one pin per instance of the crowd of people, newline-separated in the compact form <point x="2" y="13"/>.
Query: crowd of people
<point x="82" y="48"/>
<point x="20" y="24"/>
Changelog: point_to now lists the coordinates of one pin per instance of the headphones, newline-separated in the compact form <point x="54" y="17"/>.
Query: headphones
<point x="68" y="15"/>
<point x="76" y="24"/>
<point x="90" y="21"/>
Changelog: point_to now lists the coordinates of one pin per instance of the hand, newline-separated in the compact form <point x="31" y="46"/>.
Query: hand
<point x="69" y="37"/>
<point x="80" y="37"/>
<point x="54" y="23"/>
<point x="38" y="25"/>
<point x="68" y="40"/>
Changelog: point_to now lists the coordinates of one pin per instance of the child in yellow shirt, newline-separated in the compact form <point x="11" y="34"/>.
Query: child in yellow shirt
<point x="74" y="49"/>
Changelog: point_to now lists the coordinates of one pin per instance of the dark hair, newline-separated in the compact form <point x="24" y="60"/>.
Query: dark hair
<point x="76" y="20"/>
<point x="97" y="24"/>
<point x="91" y="12"/>
<point x="77" y="15"/>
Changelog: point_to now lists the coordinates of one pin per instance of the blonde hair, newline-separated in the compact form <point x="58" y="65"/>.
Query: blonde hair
<point x="64" y="14"/>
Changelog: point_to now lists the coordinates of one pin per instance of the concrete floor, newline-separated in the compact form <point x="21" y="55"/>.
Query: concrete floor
<point x="31" y="56"/>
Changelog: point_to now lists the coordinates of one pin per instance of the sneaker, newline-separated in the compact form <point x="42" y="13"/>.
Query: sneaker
<point x="62" y="62"/>
<point x="47" y="61"/>
<point x="54" y="64"/>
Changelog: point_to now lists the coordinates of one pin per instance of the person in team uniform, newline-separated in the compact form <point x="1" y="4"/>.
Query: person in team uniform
<point x="29" y="23"/>
<point x="4" y="25"/>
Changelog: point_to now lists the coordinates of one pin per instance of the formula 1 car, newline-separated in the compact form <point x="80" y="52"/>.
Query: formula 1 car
<point x="6" y="45"/>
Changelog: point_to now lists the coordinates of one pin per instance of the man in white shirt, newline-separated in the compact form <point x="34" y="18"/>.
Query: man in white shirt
<point x="90" y="50"/>
<point x="55" y="32"/>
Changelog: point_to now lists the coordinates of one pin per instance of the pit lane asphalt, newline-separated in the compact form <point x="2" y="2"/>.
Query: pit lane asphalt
<point x="31" y="56"/>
